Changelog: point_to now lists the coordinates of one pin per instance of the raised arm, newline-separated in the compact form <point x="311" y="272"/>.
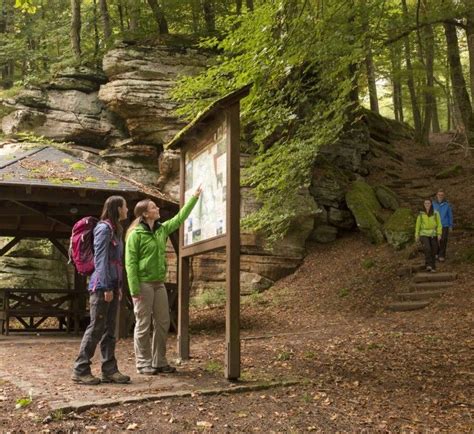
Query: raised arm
<point x="174" y="223"/>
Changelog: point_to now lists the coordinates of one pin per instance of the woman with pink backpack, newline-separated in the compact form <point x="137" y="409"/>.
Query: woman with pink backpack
<point x="105" y="288"/>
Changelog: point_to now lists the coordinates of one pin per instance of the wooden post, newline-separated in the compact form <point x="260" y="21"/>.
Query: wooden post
<point x="183" y="308"/>
<point x="232" y="327"/>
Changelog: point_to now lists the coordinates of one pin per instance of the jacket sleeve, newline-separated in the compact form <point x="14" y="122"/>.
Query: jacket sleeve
<point x="450" y="217"/>
<point x="102" y="238"/>
<point x="417" y="227"/>
<point x="439" y="227"/>
<point x="174" y="223"/>
<point x="131" y="263"/>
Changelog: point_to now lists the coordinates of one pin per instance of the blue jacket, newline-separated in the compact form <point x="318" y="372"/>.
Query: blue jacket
<point x="108" y="259"/>
<point x="445" y="212"/>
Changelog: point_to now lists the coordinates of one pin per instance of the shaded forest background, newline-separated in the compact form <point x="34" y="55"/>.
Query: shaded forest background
<point x="313" y="65"/>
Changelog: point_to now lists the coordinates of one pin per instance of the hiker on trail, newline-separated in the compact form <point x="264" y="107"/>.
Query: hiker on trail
<point x="105" y="288"/>
<point x="441" y="205"/>
<point x="145" y="262"/>
<point x="428" y="230"/>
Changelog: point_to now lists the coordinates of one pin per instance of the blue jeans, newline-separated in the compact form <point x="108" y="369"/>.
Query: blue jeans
<point x="101" y="330"/>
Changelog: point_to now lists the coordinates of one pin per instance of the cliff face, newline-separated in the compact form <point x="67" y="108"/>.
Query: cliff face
<point x="126" y="112"/>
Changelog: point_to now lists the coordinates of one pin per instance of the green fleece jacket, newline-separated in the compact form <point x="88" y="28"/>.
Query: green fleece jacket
<point x="145" y="250"/>
<point x="428" y="226"/>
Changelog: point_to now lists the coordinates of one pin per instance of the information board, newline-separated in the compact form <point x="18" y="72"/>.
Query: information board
<point x="206" y="165"/>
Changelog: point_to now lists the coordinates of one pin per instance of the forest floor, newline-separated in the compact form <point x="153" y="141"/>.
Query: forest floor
<point x="357" y="366"/>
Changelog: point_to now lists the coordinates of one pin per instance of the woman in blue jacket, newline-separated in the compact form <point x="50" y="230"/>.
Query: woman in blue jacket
<point x="105" y="288"/>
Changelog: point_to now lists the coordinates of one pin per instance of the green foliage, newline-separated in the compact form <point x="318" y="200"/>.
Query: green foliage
<point x="299" y="66"/>
<point x="209" y="298"/>
<point x="368" y="263"/>
<point x="213" y="367"/>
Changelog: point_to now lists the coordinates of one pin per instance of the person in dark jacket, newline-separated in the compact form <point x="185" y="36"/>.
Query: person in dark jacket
<point x="445" y="211"/>
<point x="105" y="288"/>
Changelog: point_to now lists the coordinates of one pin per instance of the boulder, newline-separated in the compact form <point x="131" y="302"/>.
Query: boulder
<point x="387" y="197"/>
<point x="450" y="172"/>
<point x="324" y="234"/>
<point x="341" y="218"/>
<point x="400" y="228"/>
<point x="140" y="82"/>
<point x="329" y="185"/>
<point x="251" y="283"/>
<point x="363" y="203"/>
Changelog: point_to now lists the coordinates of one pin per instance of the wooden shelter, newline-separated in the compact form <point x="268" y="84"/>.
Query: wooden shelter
<point x="43" y="192"/>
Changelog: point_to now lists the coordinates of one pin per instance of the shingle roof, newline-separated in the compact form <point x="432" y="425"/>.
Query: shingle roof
<point x="51" y="167"/>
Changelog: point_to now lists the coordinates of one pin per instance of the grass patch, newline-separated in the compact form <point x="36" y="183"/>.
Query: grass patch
<point x="254" y="299"/>
<point x="210" y="297"/>
<point x="90" y="179"/>
<point x="10" y="93"/>
<point x="66" y="161"/>
<point x="284" y="356"/>
<point x="306" y="398"/>
<point x="77" y="166"/>
<point x="309" y="355"/>
<point x="213" y="367"/>
<point x="368" y="263"/>
<point x="111" y="182"/>
<point x="344" y="292"/>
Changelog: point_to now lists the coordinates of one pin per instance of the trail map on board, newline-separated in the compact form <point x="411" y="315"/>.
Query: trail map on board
<point x="207" y="167"/>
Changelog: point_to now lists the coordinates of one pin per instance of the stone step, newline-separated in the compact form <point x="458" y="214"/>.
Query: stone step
<point x="421" y="295"/>
<point x="431" y="285"/>
<point x="434" y="277"/>
<point x="404" y="306"/>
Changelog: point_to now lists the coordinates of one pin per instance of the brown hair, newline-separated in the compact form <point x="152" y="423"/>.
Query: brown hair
<point x="140" y="208"/>
<point x="110" y="212"/>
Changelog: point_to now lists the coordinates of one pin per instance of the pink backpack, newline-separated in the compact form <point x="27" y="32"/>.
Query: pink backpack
<point x="81" y="246"/>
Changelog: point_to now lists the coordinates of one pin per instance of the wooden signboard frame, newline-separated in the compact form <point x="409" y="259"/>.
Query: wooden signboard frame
<point x="224" y="112"/>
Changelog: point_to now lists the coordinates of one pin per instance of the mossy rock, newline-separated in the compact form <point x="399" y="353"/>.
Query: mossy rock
<point x="387" y="197"/>
<point x="450" y="172"/>
<point x="324" y="234"/>
<point x="400" y="228"/>
<point x="363" y="203"/>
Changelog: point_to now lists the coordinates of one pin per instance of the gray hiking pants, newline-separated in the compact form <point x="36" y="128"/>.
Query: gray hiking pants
<point x="150" y="350"/>
<point x="101" y="330"/>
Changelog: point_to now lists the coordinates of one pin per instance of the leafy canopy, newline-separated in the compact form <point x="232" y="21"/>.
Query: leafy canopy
<point x="297" y="54"/>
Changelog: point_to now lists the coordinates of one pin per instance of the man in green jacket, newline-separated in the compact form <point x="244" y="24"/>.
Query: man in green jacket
<point x="428" y="230"/>
<point x="145" y="262"/>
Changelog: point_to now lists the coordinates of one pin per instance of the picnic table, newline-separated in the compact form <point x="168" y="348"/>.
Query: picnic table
<point x="32" y="307"/>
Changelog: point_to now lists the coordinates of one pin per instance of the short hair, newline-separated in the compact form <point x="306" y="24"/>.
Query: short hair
<point x="440" y="190"/>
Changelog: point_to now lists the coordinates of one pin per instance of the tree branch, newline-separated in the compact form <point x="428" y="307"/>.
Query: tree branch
<point x="420" y="25"/>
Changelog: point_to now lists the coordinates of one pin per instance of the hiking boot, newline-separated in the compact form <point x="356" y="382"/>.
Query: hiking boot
<point x="116" y="377"/>
<point x="428" y="268"/>
<point x="433" y="270"/>
<point x="441" y="259"/>
<point x="166" y="369"/>
<point x="147" y="370"/>
<point x="88" y="379"/>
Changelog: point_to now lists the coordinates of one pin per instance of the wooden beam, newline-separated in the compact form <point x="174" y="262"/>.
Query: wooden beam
<point x="59" y="246"/>
<point x="10" y="245"/>
<point x="33" y="234"/>
<point x="35" y="209"/>
<point x="58" y="196"/>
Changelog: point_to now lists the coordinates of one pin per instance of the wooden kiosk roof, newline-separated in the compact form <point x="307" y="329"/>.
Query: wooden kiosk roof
<point x="45" y="190"/>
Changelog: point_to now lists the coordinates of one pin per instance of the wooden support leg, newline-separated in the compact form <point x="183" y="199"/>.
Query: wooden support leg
<point x="183" y="308"/>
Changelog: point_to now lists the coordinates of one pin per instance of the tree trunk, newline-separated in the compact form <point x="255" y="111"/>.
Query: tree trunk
<point x="470" y="47"/>
<point x="159" y="17"/>
<point x="120" y="14"/>
<point x="96" y="31"/>
<point x="249" y="5"/>
<point x="369" y="65"/>
<point x="104" y="13"/>
<point x="133" y="13"/>
<point x="429" y="85"/>
<point x="209" y="15"/>
<point x="411" y="80"/>
<point x="435" y="127"/>
<point x="195" y="11"/>
<point x="461" y="97"/>
<point x="396" y="62"/>
<point x="238" y="6"/>
<point x="6" y="26"/>
<point x="76" y="28"/>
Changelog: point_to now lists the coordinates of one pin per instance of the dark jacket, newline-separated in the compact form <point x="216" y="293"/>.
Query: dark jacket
<point x="108" y="259"/>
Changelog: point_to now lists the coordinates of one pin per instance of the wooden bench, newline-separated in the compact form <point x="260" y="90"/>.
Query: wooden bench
<point x="32" y="307"/>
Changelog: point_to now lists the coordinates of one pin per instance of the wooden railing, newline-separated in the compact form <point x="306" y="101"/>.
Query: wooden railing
<point x="32" y="307"/>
